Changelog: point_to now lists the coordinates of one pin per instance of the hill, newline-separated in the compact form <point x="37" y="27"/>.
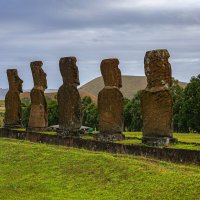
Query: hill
<point x="130" y="85"/>
<point x="40" y="171"/>
<point x="53" y="95"/>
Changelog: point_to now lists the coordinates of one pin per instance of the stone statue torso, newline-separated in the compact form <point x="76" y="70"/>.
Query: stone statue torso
<point x="38" y="113"/>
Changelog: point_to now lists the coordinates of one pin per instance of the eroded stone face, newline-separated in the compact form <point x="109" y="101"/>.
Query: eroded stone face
<point x="158" y="69"/>
<point x="110" y="100"/>
<point x="111" y="73"/>
<point x="156" y="100"/>
<point x="39" y="76"/>
<point x="69" y="71"/>
<point x="38" y="119"/>
<point x="15" y="83"/>
<point x="12" y="100"/>
<point x="69" y="100"/>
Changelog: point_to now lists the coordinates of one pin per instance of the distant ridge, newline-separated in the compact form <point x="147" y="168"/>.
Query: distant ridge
<point x="130" y="85"/>
<point x="53" y="95"/>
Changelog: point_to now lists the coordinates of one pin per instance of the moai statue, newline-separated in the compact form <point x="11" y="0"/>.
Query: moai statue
<point x="38" y="119"/>
<point x="156" y="100"/>
<point x="110" y="102"/>
<point x="12" y="100"/>
<point x="69" y="100"/>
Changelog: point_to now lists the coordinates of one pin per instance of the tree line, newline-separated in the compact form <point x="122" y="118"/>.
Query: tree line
<point x="89" y="112"/>
<point x="186" y="109"/>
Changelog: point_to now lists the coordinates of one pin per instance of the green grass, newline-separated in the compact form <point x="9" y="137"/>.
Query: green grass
<point x="131" y="141"/>
<point x="38" y="171"/>
<point x="43" y="132"/>
<point x="19" y="129"/>
<point x="133" y="134"/>
<point x="188" y="137"/>
<point x="87" y="136"/>
<point x="49" y="132"/>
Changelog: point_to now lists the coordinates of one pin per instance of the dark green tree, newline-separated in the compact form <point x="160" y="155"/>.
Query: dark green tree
<point x="192" y="104"/>
<point x="132" y="113"/>
<point x="89" y="113"/>
<point x="52" y="107"/>
<point x="26" y="107"/>
<point x="136" y="113"/>
<point x="177" y="92"/>
<point x="128" y="107"/>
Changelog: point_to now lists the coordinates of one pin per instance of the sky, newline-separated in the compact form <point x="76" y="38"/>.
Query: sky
<point x="93" y="30"/>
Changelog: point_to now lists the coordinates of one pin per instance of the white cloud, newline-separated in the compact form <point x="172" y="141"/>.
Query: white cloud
<point x="157" y="4"/>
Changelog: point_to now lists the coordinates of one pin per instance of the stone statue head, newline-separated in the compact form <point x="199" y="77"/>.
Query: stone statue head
<point x="15" y="83"/>
<point x="158" y="68"/>
<point x="39" y="76"/>
<point x="111" y="73"/>
<point x="69" y="71"/>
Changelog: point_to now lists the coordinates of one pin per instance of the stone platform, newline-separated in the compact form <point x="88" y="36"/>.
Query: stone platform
<point x="109" y="137"/>
<point x="158" y="141"/>
<point x="168" y="154"/>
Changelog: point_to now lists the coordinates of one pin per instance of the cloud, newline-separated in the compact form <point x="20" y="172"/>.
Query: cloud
<point x="94" y="30"/>
<point x="157" y="4"/>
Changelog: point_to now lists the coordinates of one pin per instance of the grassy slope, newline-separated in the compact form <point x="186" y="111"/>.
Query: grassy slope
<point x="130" y="85"/>
<point x="38" y="171"/>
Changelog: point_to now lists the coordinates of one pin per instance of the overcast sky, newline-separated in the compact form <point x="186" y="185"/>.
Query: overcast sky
<point x="93" y="30"/>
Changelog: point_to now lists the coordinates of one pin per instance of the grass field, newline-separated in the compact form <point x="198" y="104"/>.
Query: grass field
<point x="38" y="171"/>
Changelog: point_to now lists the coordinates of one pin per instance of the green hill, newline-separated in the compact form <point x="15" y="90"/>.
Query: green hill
<point x="39" y="171"/>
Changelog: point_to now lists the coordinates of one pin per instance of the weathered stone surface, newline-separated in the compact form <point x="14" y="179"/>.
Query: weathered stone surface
<point x="38" y="119"/>
<point x="69" y="71"/>
<point x="156" y="100"/>
<point x="69" y="100"/>
<point x="157" y="69"/>
<point x="69" y="103"/>
<point x="111" y="73"/>
<point x="12" y="100"/>
<point x="110" y="106"/>
<point x="157" y="113"/>
<point x="158" y="141"/>
<point x="110" y="101"/>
